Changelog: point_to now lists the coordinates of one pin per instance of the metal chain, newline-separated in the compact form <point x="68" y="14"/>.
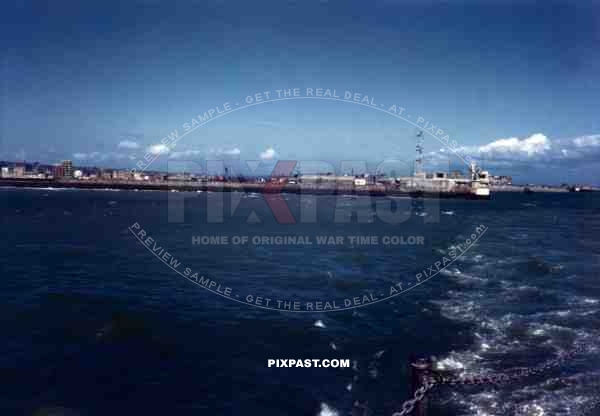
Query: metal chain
<point x="509" y="377"/>
<point x="409" y="405"/>
<point x="437" y="378"/>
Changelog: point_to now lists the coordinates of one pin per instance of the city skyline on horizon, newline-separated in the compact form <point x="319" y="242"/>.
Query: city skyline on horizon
<point x="234" y="171"/>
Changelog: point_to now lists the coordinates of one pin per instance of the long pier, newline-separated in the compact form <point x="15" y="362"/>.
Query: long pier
<point x="269" y="187"/>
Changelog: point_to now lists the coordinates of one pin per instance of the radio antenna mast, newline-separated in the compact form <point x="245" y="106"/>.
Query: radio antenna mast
<point x="419" y="157"/>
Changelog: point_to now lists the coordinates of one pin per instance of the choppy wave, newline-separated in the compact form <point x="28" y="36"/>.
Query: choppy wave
<point x="504" y="340"/>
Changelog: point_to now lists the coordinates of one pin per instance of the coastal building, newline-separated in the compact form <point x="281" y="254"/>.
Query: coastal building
<point x="501" y="180"/>
<point x="106" y="174"/>
<point x="19" y="171"/>
<point x="122" y="175"/>
<point x="140" y="177"/>
<point x="58" y="171"/>
<point x="5" y="172"/>
<point x="67" y="166"/>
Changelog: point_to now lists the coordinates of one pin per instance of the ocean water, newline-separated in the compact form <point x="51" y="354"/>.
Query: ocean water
<point x="93" y="323"/>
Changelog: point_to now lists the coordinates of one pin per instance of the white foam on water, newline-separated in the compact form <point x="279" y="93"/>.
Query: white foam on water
<point x="531" y="410"/>
<point x="498" y="333"/>
<point x="451" y="272"/>
<point x="503" y="329"/>
<point x="326" y="410"/>
<point x="450" y="363"/>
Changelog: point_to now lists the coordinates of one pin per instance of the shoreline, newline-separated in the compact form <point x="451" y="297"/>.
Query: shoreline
<point x="263" y="188"/>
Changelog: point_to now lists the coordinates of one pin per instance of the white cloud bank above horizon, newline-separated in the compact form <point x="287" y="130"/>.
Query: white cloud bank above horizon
<point x="535" y="148"/>
<point x="231" y="152"/>
<point x="268" y="154"/>
<point x="159" y="149"/>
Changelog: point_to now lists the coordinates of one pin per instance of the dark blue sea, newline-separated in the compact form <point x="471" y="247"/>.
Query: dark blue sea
<point x="94" y="323"/>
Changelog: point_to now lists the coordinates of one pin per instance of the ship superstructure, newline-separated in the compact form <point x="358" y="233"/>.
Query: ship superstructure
<point x="476" y="184"/>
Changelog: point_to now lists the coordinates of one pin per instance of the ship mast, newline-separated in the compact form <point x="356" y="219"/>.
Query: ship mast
<point x="419" y="157"/>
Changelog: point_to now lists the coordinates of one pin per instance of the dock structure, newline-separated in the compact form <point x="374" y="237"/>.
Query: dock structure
<point x="444" y="188"/>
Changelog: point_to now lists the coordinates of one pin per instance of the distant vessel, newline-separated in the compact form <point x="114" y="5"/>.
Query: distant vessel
<point x="579" y="189"/>
<point x="480" y="182"/>
<point x="476" y="186"/>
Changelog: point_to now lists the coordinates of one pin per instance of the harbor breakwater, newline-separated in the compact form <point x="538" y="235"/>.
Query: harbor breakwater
<point x="265" y="188"/>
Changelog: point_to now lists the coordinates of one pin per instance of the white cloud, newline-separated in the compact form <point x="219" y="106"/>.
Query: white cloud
<point x="537" y="144"/>
<point x="537" y="147"/>
<point x="128" y="144"/>
<point x="233" y="152"/>
<point x="268" y="154"/>
<point x="587" y="141"/>
<point x="157" y="149"/>
<point x="80" y="156"/>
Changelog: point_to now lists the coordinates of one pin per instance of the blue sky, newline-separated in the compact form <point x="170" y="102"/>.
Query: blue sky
<point x="516" y="84"/>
